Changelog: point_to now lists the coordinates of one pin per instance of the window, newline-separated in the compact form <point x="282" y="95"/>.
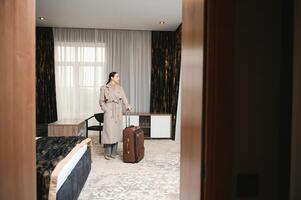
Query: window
<point x="80" y="71"/>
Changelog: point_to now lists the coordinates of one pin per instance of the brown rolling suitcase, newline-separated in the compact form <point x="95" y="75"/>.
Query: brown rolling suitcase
<point x="133" y="144"/>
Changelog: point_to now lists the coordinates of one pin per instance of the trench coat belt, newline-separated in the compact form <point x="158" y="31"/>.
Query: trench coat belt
<point x="115" y="115"/>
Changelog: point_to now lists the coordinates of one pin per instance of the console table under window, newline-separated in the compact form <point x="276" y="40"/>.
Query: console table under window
<point x="67" y="127"/>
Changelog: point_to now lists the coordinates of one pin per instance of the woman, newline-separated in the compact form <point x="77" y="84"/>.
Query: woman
<point x="111" y="99"/>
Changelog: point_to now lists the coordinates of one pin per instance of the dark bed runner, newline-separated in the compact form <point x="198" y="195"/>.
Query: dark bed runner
<point x="49" y="152"/>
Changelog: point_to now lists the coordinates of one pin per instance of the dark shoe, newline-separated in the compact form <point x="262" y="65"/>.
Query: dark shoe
<point x="107" y="157"/>
<point x="111" y="156"/>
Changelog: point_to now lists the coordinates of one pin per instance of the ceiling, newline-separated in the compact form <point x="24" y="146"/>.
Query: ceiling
<point x="110" y="14"/>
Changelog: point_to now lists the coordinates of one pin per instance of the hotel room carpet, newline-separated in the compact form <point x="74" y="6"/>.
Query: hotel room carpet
<point x="156" y="177"/>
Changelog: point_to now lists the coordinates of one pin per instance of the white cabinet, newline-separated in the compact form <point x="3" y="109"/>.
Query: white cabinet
<point x="155" y="126"/>
<point x="160" y="126"/>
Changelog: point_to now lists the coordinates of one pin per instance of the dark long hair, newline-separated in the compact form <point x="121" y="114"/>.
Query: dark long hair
<point x="111" y="75"/>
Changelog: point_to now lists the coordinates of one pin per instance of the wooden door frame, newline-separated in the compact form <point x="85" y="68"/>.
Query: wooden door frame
<point x="208" y="51"/>
<point x="192" y="97"/>
<point x="17" y="102"/>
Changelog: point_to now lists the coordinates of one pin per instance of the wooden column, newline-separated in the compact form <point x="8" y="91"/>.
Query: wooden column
<point x="17" y="101"/>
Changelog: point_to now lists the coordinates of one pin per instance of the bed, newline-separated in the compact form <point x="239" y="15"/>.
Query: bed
<point x="63" y="166"/>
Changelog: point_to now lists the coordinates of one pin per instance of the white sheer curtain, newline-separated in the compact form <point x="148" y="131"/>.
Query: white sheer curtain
<point x="85" y="57"/>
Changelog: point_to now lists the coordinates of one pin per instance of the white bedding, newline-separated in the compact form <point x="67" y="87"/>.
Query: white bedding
<point x="67" y="169"/>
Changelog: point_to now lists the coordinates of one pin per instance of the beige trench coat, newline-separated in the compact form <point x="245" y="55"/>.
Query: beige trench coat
<point x="111" y="101"/>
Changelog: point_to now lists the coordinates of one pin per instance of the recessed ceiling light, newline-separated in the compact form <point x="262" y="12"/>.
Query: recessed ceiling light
<point x="162" y="22"/>
<point x="42" y="18"/>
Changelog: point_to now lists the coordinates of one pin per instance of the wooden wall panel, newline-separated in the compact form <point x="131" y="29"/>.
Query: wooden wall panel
<point x="192" y="93"/>
<point x="17" y="101"/>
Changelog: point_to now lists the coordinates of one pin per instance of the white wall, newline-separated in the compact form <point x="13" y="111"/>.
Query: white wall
<point x="178" y="122"/>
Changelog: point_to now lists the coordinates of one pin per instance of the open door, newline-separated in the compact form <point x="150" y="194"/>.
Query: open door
<point x="218" y="108"/>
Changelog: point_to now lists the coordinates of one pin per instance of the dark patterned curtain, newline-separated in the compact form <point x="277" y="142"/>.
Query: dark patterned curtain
<point x="165" y="73"/>
<point x="46" y="110"/>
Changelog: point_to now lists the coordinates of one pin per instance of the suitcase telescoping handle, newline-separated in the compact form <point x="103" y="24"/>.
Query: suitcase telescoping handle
<point x="127" y="119"/>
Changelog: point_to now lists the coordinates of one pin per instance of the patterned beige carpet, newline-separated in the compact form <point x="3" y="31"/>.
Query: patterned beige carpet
<point x="156" y="177"/>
